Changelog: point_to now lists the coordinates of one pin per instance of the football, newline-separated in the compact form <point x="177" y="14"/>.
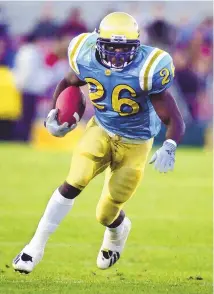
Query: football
<point x="71" y="105"/>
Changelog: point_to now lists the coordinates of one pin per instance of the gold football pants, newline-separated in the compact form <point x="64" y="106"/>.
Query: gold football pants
<point x="124" y="164"/>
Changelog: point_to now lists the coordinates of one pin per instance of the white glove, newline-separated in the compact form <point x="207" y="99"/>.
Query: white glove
<point x="53" y="126"/>
<point x="164" y="157"/>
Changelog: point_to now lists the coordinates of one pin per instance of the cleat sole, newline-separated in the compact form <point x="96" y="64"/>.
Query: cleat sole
<point x="22" y="271"/>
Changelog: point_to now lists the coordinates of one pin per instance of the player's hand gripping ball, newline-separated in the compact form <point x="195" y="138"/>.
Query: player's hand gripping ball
<point x="70" y="107"/>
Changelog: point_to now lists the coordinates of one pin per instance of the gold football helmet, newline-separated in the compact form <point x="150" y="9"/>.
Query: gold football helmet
<point x="118" y="40"/>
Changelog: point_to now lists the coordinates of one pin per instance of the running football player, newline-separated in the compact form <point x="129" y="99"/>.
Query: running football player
<point x="128" y="85"/>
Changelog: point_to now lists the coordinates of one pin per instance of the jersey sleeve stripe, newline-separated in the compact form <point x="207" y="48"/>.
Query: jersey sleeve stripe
<point x="153" y="67"/>
<point x="73" y="52"/>
<point x="142" y="72"/>
<point x="147" y="71"/>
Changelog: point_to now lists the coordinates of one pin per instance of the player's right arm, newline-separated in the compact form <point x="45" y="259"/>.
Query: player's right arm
<point x="51" y="123"/>
<point x="71" y="79"/>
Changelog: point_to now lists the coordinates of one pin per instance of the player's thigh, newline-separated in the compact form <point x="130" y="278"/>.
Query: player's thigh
<point x="122" y="183"/>
<point x="119" y="186"/>
<point x="127" y="174"/>
<point x="122" y="180"/>
<point x="91" y="156"/>
<point x="136" y="155"/>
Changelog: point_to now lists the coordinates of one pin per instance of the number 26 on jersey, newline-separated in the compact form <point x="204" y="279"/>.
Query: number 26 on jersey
<point x="97" y="91"/>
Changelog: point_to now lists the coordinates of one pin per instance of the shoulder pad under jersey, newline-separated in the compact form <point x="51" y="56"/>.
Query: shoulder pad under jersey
<point x="157" y="72"/>
<point x="79" y="51"/>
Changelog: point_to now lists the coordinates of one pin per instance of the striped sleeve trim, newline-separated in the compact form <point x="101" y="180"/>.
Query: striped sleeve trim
<point x="147" y="71"/>
<point x="74" y="49"/>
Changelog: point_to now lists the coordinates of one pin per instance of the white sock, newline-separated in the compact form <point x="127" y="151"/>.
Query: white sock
<point x="57" y="208"/>
<point x="117" y="230"/>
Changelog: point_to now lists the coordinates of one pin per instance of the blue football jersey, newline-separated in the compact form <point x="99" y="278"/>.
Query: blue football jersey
<point x="121" y="98"/>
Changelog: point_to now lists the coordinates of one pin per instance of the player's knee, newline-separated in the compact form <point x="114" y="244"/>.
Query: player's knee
<point x="123" y="184"/>
<point x="107" y="211"/>
<point x="103" y="219"/>
<point x="68" y="191"/>
<point x="82" y="172"/>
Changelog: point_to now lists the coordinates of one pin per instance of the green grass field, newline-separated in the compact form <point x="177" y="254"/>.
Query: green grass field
<point x="169" y="249"/>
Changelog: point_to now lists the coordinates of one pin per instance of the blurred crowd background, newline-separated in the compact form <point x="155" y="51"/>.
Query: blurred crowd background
<point x="33" y="58"/>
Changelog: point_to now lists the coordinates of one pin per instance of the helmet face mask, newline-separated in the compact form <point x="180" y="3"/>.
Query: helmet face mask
<point x="117" y="54"/>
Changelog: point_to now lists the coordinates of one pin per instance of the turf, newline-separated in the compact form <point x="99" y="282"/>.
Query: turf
<point x="170" y="245"/>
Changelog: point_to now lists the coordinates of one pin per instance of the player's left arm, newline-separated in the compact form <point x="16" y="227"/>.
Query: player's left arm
<point x="167" y="110"/>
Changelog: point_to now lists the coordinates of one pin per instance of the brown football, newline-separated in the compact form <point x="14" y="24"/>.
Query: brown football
<point x="71" y="105"/>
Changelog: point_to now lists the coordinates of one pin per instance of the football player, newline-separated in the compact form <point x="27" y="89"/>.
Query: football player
<point x="128" y="85"/>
